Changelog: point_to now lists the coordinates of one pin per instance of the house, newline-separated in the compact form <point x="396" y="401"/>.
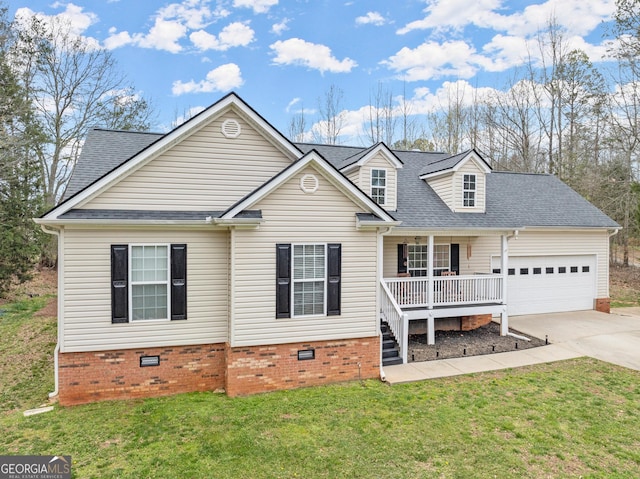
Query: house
<point x="222" y="256"/>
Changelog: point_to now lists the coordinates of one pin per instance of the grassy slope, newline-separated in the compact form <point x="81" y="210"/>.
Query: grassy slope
<point x="565" y="419"/>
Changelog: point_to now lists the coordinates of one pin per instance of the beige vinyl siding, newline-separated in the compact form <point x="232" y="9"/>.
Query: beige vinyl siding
<point x="470" y="167"/>
<point x="443" y="186"/>
<point x="87" y="291"/>
<point x="354" y="176"/>
<point x="206" y="170"/>
<point x="379" y="161"/>
<point x="529" y="243"/>
<point x="291" y="216"/>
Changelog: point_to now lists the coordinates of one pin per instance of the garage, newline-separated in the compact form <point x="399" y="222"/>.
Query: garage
<point x="546" y="284"/>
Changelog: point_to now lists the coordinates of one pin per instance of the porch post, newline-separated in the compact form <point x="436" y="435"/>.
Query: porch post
<point x="431" y="328"/>
<point x="504" y="268"/>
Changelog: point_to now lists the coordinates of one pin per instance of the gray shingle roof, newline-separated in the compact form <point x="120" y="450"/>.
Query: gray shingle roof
<point x="104" y="150"/>
<point x="513" y="200"/>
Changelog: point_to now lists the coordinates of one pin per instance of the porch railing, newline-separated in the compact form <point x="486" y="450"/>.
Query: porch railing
<point x="397" y="320"/>
<point x="447" y="290"/>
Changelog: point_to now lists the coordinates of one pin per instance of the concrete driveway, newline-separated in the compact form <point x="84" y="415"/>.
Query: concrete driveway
<point x="614" y="337"/>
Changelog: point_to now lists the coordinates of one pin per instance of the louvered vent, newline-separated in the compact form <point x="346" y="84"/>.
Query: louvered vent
<point x="231" y="128"/>
<point x="309" y="183"/>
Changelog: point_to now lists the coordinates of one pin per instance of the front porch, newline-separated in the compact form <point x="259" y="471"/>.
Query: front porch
<point x="442" y="294"/>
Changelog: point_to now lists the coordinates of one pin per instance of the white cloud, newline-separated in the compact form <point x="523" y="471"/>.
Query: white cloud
<point x="278" y="28"/>
<point x="117" y="40"/>
<point x="296" y="51"/>
<point x="73" y="16"/>
<point x="433" y="60"/>
<point x="578" y="17"/>
<point x="371" y="18"/>
<point x="236" y="34"/>
<point x="224" y="78"/>
<point x="259" y="6"/>
<point x="164" y="35"/>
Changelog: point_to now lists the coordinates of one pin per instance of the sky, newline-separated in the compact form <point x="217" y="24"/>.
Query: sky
<point x="282" y="56"/>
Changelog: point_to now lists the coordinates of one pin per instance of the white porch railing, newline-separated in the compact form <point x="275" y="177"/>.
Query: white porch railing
<point x="397" y="320"/>
<point x="447" y="290"/>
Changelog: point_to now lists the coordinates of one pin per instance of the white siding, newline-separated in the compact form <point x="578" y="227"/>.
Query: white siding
<point x="87" y="291"/>
<point x="470" y="167"/>
<point x="206" y="170"/>
<point x="443" y="186"/>
<point x="292" y="216"/>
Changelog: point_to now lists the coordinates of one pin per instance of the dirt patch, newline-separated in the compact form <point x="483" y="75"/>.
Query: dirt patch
<point x="457" y="344"/>
<point x="49" y="311"/>
<point x="43" y="281"/>
<point x="624" y="282"/>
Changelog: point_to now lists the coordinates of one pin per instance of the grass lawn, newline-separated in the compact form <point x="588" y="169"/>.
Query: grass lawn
<point x="577" y="418"/>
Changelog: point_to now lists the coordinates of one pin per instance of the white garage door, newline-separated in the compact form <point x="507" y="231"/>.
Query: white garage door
<point x="548" y="284"/>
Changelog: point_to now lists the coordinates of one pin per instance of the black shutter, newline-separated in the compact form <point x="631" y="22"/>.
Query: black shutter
<point x="334" y="267"/>
<point x="119" y="283"/>
<point x="178" y="281"/>
<point x="402" y="258"/>
<point x="455" y="258"/>
<point x="283" y="281"/>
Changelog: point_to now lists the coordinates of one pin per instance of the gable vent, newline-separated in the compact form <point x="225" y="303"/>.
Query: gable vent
<point x="231" y="128"/>
<point x="309" y="183"/>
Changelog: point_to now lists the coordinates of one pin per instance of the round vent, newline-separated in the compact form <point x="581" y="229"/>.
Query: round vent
<point x="309" y="183"/>
<point x="231" y="128"/>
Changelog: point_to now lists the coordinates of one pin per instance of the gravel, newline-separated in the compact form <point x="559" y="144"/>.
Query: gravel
<point x="457" y="344"/>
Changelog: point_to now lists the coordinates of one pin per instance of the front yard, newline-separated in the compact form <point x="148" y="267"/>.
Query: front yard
<point x="569" y="419"/>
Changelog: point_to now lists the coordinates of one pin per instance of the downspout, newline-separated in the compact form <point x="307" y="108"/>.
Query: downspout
<point x="56" y="351"/>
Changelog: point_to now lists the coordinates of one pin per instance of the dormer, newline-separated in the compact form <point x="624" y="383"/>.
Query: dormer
<point x="460" y="181"/>
<point x="375" y="171"/>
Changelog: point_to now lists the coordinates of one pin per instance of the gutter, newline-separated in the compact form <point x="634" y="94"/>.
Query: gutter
<point x="56" y="351"/>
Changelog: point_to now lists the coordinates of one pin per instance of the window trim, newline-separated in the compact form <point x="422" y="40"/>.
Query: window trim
<point x="133" y="283"/>
<point x="473" y="191"/>
<point x="294" y="281"/>
<point x="383" y="188"/>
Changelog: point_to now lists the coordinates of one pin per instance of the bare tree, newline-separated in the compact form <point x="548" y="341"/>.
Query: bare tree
<point x="74" y="85"/>
<point x="332" y="116"/>
<point x="381" y="119"/>
<point x="297" y="127"/>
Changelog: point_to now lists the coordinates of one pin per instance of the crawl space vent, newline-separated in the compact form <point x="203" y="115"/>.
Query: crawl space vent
<point x="231" y="128"/>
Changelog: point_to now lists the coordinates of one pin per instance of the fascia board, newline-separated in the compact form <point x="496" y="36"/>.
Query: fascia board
<point x="380" y="148"/>
<point x="171" y="139"/>
<point x="333" y="175"/>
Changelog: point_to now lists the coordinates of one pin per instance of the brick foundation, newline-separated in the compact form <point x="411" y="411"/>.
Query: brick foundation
<point x="259" y="369"/>
<point x="104" y="375"/>
<point x="603" y="305"/>
<point x="468" y="323"/>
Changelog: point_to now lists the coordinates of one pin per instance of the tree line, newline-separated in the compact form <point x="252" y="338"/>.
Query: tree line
<point x="54" y="86"/>
<point x="556" y="114"/>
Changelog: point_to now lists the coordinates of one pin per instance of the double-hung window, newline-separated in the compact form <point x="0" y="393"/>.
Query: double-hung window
<point x="379" y="185"/>
<point x="309" y="277"/>
<point x="469" y="191"/>
<point x="441" y="259"/>
<point x="418" y="259"/>
<point x="149" y="282"/>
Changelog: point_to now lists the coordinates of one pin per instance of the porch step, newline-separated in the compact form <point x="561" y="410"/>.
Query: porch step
<point x="390" y="349"/>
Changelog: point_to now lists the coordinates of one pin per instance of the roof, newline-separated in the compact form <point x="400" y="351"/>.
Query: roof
<point x="513" y="200"/>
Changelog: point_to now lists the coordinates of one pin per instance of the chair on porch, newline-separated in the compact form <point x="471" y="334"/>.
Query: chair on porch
<point x="449" y="288"/>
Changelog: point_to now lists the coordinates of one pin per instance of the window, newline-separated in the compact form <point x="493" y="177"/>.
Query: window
<point x="574" y="269"/>
<point x="585" y="269"/>
<point x="418" y="259"/>
<point x="562" y="269"/>
<point x="148" y="282"/>
<point x="308" y="279"/>
<point x="469" y="191"/>
<point x="379" y="186"/>
<point x="537" y="270"/>
<point x="511" y="271"/>
<point x="524" y="270"/>
<point x="549" y="270"/>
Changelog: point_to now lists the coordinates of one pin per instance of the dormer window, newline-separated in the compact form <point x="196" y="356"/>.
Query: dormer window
<point x="469" y="191"/>
<point x="379" y="185"/>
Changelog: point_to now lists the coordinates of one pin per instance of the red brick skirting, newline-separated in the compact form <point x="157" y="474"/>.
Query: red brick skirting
<point x="603" y="305"/>
<point x="104" y="375"/>
<point x="468" y="323"/>
<point x="257" y="369"/>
